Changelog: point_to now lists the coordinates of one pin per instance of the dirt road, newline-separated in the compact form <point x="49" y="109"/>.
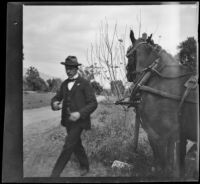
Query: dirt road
<point x="39" y="114"/>
<point x="40" y="154"/>
<point x="44" y="114"/>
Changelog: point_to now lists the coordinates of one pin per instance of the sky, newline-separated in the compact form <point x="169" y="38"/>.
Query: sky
<point x="51" y="33"/>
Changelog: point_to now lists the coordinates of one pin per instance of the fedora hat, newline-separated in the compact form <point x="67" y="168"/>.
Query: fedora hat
<point x="71" y="61"/>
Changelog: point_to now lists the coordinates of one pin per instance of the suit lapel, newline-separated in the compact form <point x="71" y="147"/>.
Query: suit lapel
<point x="77" y="83"/>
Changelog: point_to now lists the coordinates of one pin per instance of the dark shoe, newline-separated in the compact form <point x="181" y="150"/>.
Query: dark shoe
<point x="83" y="172"/>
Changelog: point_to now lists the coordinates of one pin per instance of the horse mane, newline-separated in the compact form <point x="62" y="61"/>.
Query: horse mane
<point x="168" y="57"/>
<point x="162" y="52"/>
<point x="170" y="66"/>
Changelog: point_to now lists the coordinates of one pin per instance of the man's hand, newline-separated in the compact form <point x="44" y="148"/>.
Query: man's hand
<point x="74" y="116"/>
<point x="57" y="106"/>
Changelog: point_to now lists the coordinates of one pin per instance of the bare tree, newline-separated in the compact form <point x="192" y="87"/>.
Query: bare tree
<point x="107" y="54"/>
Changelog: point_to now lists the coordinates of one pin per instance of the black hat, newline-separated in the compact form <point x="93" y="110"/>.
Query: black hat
<point x="71" y="61"/>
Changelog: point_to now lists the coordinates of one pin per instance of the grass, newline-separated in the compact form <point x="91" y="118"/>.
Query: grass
<point x="36" y="100"/>
<point x="114" y="141"/>
<point x="108" y="140"/>
<point x="111" y="138"/>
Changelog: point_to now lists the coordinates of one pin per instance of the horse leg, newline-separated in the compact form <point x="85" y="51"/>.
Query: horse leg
<point x="155" y="152"/>
<point x="173" y="161"/>
<point x="163" y="157"/>
<point x="182" y="147"/>
<point x="170" y="153"/>
<point x="158" y="154"/>
<point x="179" y="149"/>
<point x="182" y="153"/>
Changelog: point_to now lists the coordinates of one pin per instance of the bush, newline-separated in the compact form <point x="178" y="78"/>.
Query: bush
<point x="25" y="85"/>
<point x="110" y="142"/>
<point x="117" y="87"/>
<point x="33" y="81"/>
<point x="97" y="87"/>
<point x="106" y="92"/>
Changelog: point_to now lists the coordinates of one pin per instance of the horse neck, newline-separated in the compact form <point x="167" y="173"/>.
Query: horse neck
<point x="165" y="60"/>
<point x="169" y="66"/>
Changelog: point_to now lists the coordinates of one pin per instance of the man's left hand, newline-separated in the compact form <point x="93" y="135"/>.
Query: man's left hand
<point x="74" y="116"/>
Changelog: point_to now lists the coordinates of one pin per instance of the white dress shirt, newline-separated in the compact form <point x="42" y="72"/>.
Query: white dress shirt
<point x="71" y="84"/>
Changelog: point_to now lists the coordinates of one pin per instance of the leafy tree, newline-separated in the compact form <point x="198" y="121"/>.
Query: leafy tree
<point x="32" y="73"/>
<point x="50" y="84"/>
<point x="25" y="85"/>
<point x="97" y="87"/>
<point x="54" y="84"/>
<point x="33" y="80"/>
<point x="41" y="84"/>
<point x="188" y="52"/>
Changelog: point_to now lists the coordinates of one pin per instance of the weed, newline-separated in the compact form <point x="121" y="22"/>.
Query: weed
<point x="112" y="142"/>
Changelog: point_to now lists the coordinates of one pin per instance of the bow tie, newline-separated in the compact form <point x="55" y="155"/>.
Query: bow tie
<point x="71" y="80"/>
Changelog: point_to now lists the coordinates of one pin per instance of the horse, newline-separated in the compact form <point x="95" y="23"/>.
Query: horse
<point x="168" y="107"/>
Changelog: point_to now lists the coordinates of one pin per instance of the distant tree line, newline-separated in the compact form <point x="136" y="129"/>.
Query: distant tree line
<point x="33" y="82"/>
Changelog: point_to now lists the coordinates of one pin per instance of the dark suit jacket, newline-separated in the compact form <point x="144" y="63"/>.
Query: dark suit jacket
<point x="81" y="98"/>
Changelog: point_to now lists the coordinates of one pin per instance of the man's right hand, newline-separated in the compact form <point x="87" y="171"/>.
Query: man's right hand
<point x="57" y="106"/>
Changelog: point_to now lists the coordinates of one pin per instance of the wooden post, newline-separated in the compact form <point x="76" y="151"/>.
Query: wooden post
<point x="176" y="159"/>
<point x="136" y="130"/>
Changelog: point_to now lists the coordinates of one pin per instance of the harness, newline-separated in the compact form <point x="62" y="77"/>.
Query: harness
<point x="140" y="86"/>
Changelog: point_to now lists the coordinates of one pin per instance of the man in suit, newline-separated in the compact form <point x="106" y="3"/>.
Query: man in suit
<point x="78" y="102"/>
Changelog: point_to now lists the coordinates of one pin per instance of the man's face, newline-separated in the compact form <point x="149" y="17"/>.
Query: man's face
<point x="71" y="71"/>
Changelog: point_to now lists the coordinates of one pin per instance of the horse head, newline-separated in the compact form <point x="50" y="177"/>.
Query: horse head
<point x="140" y="55"/>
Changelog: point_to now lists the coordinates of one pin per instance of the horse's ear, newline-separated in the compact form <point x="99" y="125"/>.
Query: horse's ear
<point x="132" y="37"/>
<point x="149" y="38"/>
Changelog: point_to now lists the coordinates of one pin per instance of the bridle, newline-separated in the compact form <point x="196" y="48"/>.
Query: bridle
<point x="134" y="48"/>
<point x="156" y="48"/>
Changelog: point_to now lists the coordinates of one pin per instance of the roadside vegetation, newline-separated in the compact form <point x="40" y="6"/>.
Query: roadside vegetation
<point x="107" y="141"/>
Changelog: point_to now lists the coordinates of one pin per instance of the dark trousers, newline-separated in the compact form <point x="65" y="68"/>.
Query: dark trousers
<point x="73" y="144"/>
